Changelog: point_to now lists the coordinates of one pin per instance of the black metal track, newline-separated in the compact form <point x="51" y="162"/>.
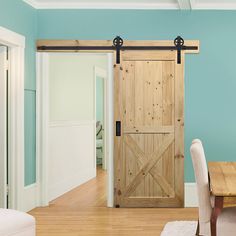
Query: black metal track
<point x="118" y="46"/>
<point x="102" y="48"/>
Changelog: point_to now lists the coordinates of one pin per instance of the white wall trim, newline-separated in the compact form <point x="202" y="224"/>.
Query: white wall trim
<point x="3" y="128"/>
<point x="32" y="3"/>
<point x="191" y="195"/>
<point x="215" y="6"/>
<point x="16" y="45"/>
<point x="180" y="4"/>
<point x="100" y="5"/>
<point x="11" y="39"/>
<point x="110" y="131"/>
<point x="42" y="120"/>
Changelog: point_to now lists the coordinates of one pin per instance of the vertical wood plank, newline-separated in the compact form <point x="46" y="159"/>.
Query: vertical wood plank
<point x="168" y="118"/>
<point x="139" y="115"/>
<point x="158" y="106"/>
<point x="179" y="129"/>
<point x="128" y="110"/>
<point x="118" y="152"/>
<point x="149" y="71"/>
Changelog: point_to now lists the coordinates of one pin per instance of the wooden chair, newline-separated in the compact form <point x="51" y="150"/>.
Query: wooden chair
<point x="226" y="223"/>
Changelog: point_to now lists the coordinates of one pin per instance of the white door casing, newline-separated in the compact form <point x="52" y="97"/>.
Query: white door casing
<point x="18" y="197"/>
<point x="3" y="127"/>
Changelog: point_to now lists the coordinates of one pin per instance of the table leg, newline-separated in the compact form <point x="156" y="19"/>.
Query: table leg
<point x="218" y="206"/>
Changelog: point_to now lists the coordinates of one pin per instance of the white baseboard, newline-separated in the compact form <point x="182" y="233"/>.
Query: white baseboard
<point x="190" y="195"/>
<point x="73" y="181"/>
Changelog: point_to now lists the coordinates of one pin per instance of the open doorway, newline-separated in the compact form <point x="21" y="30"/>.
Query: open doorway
<point x="69" y="154"/>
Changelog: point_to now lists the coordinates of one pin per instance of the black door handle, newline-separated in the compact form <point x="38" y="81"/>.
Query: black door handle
<point x="118" y="128"/>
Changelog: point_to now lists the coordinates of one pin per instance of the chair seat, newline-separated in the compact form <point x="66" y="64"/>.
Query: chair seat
<point x="226" y="222"/>
<point x="15" y="223"/>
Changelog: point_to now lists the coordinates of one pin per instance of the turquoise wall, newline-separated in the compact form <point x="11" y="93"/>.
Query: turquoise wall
<point x="99" y="99"/>
<point x="210" y="77"/>
<point x="30" y="145"/>
<point x="21" y="18"/>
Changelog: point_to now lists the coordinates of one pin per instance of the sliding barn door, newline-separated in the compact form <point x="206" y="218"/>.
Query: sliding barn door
<point x="149" y="130"/>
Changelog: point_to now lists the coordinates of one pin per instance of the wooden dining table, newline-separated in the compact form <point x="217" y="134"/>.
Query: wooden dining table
<point x="222" y="179"/>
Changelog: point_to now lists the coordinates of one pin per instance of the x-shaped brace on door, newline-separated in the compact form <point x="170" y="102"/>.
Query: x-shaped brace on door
<point x="147" y="165"/>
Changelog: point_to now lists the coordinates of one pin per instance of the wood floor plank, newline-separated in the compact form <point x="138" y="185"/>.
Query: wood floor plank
<point x="83" y="212"/>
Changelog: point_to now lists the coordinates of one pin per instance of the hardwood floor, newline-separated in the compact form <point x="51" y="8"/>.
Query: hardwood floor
<point x="83" y="212"/>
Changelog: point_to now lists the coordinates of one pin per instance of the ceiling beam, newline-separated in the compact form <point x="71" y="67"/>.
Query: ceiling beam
<point x="185" y="4"/>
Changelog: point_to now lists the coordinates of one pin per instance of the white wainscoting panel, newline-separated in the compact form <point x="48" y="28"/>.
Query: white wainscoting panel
<point x="71" y="155"/>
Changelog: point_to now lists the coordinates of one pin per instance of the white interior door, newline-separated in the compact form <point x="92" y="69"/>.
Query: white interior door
<point x="3" y="127"/>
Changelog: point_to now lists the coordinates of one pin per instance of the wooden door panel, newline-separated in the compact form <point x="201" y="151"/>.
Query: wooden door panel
<point x="149" y="102"/>
<point x="145" y="158"/>
<point x="139" y="151"/>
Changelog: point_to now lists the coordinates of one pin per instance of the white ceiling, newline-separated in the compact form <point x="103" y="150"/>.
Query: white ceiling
<point x="134" y="4"/>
